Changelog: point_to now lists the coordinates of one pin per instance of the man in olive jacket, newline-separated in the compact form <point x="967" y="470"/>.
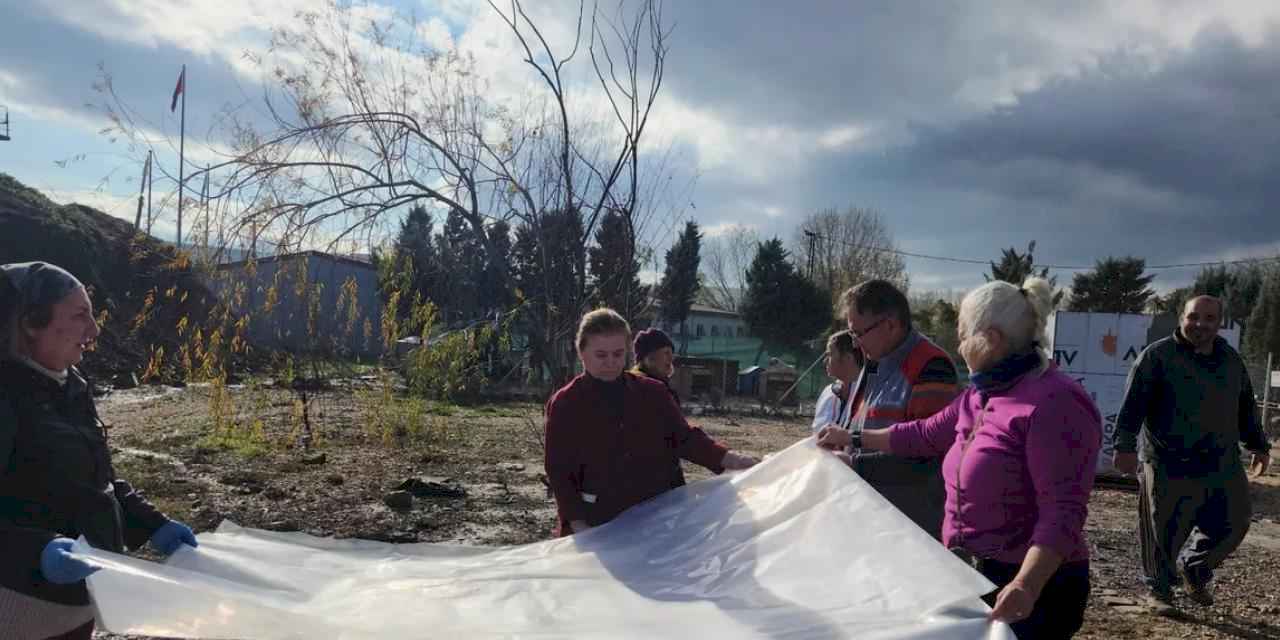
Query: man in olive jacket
<point x="1190" y="397"/>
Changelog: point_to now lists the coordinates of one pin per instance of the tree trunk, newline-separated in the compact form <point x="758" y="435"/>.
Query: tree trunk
<point x="561" y="365"/>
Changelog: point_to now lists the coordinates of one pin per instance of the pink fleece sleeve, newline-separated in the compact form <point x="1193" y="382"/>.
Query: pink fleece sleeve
<point x="1062" y="442"/>
<point x="930" y="437"/>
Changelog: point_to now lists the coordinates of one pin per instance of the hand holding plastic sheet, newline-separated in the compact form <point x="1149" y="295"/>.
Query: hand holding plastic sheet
<point x="172" y="535"/>
<point x="797" y="546"/>
<point x="60" y="566"/>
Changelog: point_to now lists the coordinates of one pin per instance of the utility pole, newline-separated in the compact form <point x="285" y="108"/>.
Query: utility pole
<point x="142" y="191"/>
<point x="150" y="179"/>
<point x="204" y="199"/>
<point x="813" y="237"/>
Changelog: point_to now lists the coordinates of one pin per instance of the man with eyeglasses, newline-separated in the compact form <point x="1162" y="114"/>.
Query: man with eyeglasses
<point x="907" y="377"/>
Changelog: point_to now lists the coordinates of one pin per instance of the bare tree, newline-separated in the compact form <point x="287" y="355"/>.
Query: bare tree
<point x="363" y="118"/>
<point x="726" y="258"/>
<point x="839" y="249"/>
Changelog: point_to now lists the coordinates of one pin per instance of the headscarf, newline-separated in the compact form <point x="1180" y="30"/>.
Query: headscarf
<point x="35" y="284"/>
<point x="25" y="286"/>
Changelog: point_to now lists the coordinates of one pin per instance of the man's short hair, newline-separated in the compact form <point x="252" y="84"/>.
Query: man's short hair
<point x="878" y="297"/>
<point x="1222" y="305"/>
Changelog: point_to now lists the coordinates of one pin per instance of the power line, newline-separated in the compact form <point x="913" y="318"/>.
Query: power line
<point x="925" y="256"/>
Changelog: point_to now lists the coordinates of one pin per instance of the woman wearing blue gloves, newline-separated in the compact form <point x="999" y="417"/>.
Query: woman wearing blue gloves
<point x="56" y="478"/>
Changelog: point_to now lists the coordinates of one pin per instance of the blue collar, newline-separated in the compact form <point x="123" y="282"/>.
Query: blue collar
<point x="1006" y="372"/>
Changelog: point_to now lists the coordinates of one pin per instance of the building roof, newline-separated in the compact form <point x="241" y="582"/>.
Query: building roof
<point x="655" y="309"/>
<point x="353" y="261"/>
<point x="710" y="310"/>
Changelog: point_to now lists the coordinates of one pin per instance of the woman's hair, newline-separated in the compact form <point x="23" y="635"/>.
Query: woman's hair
<point x="600" y="322"/>
<point x="1020" y="313"/>
<point x="841" y="342"/>
<point x="28" y="292"/>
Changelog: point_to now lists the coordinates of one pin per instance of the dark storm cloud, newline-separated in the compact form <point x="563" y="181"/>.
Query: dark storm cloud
<point x="830" y="62"/>
<point x="1186" y="147"/>
<point x="1167" y="157"/>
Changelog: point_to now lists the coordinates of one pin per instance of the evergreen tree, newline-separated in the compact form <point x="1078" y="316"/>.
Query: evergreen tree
<point x="412" y="266"/>
<point x="783" y="308"/>
<point x="945" y="331"/>
<point x="680" y="282"/>
<point x="1116" y="285"/>
<point x="545" y="277"/>
<point x="495" y="290"/>
<point x="1015" y="268"/>
<point x="615" y="272"/>
<point x="462" y="268"/>
<point x="1263" y="334"/>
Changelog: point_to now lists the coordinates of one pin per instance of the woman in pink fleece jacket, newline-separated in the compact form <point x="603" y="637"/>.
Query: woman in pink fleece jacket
<point x="1021" y="444"/>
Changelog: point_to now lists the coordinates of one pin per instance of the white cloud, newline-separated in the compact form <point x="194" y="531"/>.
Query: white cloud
<point x="841" y="137"/>
<point x="723" y="228"/>
<point x="755" y="154"/>
<point x="55" y="114"/>
<point x="435" y="34"/>
<point x="1180" y="22"/>
<point x="10" y="84"/>
<point x="199" y="26"/>
<point x="123" y="207"/>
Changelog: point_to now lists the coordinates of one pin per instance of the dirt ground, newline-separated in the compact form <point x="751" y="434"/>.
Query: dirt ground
<point x="485" y="465"/>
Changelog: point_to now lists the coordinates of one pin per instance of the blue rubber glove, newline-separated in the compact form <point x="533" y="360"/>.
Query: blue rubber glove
<point x="172" y="535"/>
<point x="60" y="567"/>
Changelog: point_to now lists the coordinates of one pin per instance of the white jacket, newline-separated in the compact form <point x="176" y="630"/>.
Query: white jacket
<point x="828" y="409"/>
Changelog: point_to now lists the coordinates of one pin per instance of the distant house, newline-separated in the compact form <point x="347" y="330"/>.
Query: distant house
<point x="706" y="322"/>
<point x="723" y="334"/>
<point x="308" y="302"/>
<point x="713" y="333"/>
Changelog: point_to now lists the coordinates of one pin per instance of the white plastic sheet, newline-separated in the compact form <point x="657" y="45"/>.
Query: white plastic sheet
<point x="798" y="547"/>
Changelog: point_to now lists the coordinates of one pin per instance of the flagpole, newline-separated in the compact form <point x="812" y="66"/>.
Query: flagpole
<point x="182" y="144"/>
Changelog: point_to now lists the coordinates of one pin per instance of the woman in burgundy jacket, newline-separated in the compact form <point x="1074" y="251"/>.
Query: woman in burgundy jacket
<point x="614" y="439"/>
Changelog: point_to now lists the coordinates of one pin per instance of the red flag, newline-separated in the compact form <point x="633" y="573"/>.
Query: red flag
<point x="177" y="91"/>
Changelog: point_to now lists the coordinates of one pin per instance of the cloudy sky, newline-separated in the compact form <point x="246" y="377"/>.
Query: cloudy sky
<point x="1095" y="128"/>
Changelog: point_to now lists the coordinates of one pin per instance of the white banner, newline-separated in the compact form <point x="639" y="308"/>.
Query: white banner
<point x="1098" y="349"/>
<point x="797" y="547"/>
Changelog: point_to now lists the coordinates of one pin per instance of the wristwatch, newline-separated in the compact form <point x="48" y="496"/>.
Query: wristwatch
<point x="855" y="439"/>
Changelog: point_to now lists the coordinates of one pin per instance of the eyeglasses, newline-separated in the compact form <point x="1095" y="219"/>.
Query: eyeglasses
<point x="859" y="334"/>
